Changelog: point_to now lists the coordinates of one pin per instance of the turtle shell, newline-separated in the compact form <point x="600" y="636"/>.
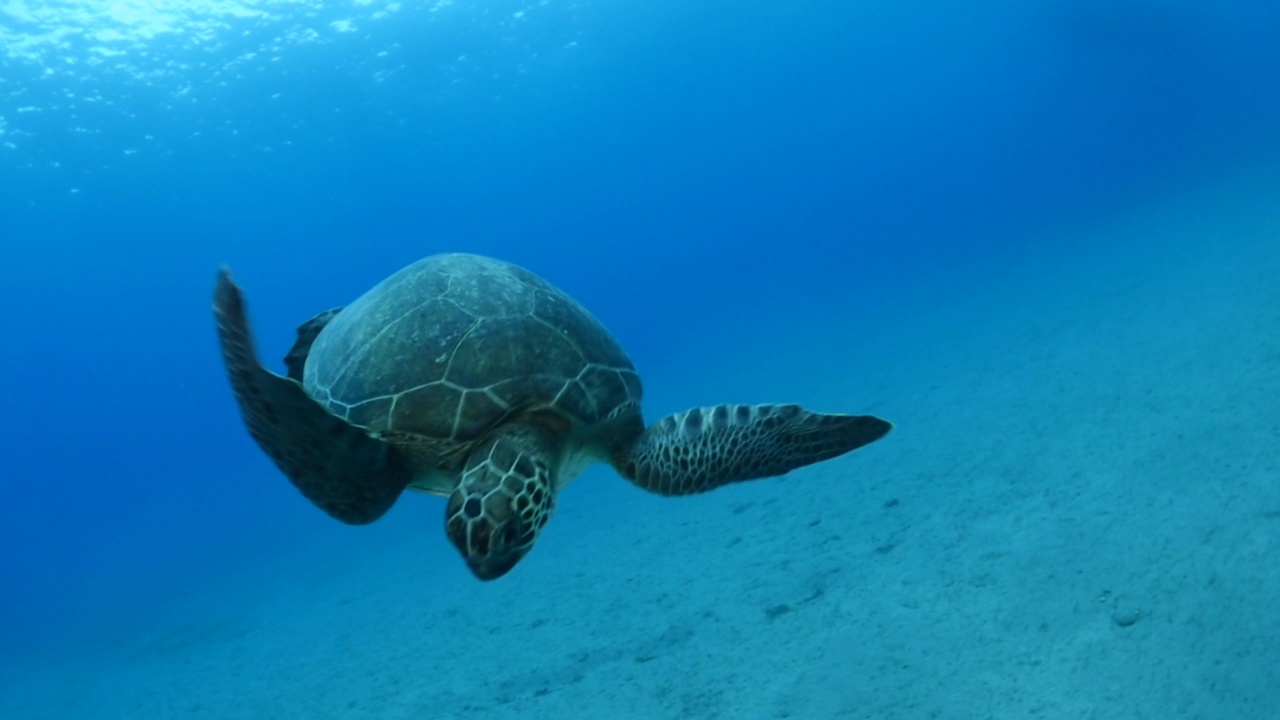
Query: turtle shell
<point x="454" y="345"/>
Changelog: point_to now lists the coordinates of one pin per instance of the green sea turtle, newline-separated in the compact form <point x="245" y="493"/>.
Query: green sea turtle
<point x="474" y="379"/>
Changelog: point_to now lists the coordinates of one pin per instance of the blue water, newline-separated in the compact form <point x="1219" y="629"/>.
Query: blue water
<point x="762" y="200"/>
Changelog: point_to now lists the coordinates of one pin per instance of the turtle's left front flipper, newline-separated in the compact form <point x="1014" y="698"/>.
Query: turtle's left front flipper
<point x="704" y="448"/>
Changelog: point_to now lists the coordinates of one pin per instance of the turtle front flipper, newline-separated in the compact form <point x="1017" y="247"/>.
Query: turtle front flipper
<point x="341" y="468"/>
<point x="704" y="448"/>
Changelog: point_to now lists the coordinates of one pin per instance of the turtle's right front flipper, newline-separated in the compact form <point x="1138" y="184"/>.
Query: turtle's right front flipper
<point x="704" y="448"/>
<point x="341" y="468"/>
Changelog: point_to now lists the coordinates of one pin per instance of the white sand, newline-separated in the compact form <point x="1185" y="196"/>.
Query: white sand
<point x="1078" y="516"/>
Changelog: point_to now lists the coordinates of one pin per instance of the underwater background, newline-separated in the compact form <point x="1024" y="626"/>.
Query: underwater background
<point x="1040" y="236"/>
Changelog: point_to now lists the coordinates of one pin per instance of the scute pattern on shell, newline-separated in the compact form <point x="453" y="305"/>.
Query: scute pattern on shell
<point x="452" y="345"/>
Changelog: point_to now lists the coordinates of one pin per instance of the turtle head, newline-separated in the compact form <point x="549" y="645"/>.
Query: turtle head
<point x="500" y="505"/>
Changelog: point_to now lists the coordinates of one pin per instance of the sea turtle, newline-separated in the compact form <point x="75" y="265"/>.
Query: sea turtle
<point x="474" y="379"/>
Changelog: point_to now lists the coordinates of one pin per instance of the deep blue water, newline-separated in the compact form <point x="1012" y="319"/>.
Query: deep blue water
<point x="688" y="170"/>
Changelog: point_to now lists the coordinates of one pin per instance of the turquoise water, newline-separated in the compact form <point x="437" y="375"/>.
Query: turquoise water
<point x="1041" y="238"/>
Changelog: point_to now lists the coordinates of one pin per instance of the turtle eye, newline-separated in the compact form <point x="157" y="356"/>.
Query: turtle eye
<point x="472" y="508"/>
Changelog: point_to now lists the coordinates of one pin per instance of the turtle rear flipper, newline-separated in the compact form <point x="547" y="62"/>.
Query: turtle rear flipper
<point x="704" y="448"/>
<point x="296" y="360"/>
<point x="341" y="468"/>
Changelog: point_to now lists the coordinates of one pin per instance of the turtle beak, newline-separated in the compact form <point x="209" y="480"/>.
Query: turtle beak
<point x="489" y="552"/>
<point x="492" y="568"/>
<point x="501" y="553"/>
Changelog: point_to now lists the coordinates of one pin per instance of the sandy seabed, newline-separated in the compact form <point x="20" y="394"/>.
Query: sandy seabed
<point x="1077" y="516"/>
